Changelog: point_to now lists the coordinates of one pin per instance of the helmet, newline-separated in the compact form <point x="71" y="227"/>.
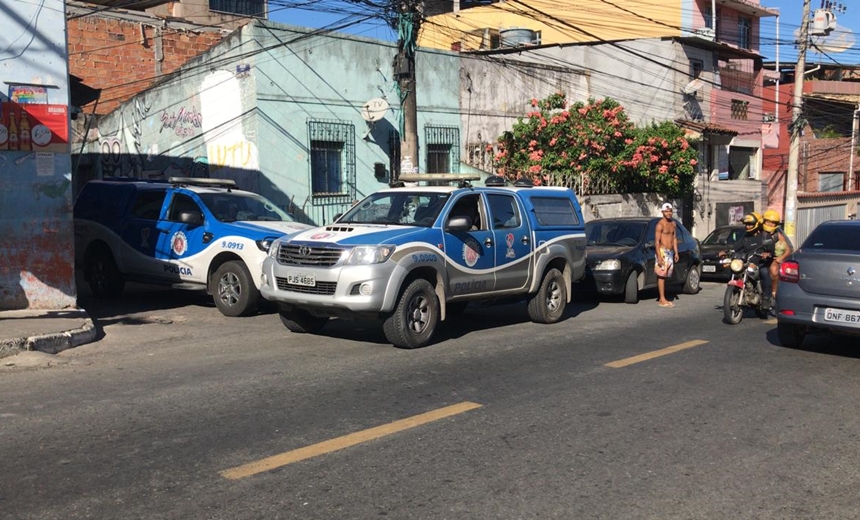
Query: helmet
<point x="771" y="220"/>
<point x="752" y="219"/>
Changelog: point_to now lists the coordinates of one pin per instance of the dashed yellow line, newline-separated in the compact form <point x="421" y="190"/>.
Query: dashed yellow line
<point x="655" y="354"/>
<point x="339" y="443"/>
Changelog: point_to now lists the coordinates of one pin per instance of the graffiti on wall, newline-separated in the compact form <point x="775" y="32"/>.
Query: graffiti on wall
<point x="234" y="154"/>
<point x="184" y="123"/>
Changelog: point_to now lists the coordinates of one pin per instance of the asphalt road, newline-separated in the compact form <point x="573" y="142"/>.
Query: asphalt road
<point x="179" y="413"/>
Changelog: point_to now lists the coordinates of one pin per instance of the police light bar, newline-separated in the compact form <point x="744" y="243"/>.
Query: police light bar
<point x="198" y="181"/>
<point x="439" y="177"/>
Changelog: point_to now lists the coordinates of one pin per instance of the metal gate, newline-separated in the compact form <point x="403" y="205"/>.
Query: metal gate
<point x="808" y="218"/>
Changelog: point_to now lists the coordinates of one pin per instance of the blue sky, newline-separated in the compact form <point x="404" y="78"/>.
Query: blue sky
<point x="789" y="21"/>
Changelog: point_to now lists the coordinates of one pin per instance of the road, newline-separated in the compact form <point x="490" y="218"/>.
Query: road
<point x="620" y="411"/>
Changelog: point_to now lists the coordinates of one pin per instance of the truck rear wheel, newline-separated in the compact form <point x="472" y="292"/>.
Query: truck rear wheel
<point x="302" y="322"/>
<point x="414" y="320"/>
<point x="104" y="277"/>
<point x="548" y="304"/>
<point x="233" y="290"/>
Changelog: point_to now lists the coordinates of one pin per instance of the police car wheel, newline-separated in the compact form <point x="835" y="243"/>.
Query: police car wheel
<point x="233" y="290"/>
<point x="302" y="322"/>
<point x="414" y="320"/>
<point x="547" y="306"/>
<point x="104" y="278"/>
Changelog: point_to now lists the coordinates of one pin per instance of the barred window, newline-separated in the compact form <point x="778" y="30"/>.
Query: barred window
<point x="242" y="7"/>
<point x="443" y="149"/>
<point x="332" y="158"/>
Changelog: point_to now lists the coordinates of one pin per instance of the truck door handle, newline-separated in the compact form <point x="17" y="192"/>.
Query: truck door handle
<point x="525" y="239"/>
<point x="488" y="242"/>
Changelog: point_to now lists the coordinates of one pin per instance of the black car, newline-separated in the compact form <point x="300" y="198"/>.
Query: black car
<point x="721" y="239"/>
<point x="621" y="257"/>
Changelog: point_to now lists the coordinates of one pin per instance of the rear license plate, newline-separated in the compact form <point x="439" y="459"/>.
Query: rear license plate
<point x="709" y="269"/>
<point x="307" y="280"/>
<point x="847" y="317"/>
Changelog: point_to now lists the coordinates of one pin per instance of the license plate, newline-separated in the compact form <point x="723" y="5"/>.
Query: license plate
<point x="307" y="280"/>
<point x="842" y="316"/>
<point x="709" y="269"/>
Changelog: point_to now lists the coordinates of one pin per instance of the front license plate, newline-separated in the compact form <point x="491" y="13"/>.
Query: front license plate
<point x="307" y="280"/>
<point x="842" y="316"/>
<point x="709" y="269"/>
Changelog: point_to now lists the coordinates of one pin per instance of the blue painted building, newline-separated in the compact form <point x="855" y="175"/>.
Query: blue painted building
<point x="36" y="236"/>
<point x="310" y="121"/>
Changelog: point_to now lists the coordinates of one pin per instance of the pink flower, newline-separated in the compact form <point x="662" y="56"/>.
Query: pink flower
<point x="617" y="134"/>
<point x="535" y="168"/>
<point x="553" y="141"/>
<point x="664" y="169"/>
<point x="694" y="162"/>
<point x="534" y="102"/>
<point x="536" y="155"/>
<point x="582" y="111"/>
<point x="628" y="141"/>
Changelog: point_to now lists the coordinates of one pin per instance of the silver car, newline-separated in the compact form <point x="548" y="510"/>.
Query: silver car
<point x="819" y="284"/>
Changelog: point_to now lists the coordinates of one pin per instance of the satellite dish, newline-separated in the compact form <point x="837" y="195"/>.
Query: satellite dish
<point x="374" y="110"/>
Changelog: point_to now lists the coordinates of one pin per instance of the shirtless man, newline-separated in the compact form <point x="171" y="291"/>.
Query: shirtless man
<point x="666" y="250"/>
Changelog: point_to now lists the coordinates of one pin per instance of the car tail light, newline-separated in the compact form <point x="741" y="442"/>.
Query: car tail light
<point x="789" y="272"/>
<point x="787" y="312"/>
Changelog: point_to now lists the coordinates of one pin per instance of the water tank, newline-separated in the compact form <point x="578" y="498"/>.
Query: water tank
<point x="516" y="37"/>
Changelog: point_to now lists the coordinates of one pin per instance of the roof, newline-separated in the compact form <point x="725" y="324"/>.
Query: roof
<point x="705" y="128"/>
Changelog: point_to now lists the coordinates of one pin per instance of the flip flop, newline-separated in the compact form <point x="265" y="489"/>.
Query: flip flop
<point x="667" y="304"/>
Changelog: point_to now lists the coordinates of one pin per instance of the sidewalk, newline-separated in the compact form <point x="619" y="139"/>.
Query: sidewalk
<point x="44" y="330"/>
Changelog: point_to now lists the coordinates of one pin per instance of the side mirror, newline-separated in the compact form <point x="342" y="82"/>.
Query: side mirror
<point x="192" y="218"/>
<point x="648" y="245"/>
<point x="459" y="224"/>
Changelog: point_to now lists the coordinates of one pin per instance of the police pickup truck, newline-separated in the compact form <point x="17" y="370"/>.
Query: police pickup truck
<point x="414" y="255"/>
<point x="188" y="232"/>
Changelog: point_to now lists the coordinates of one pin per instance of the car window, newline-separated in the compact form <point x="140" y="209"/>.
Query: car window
<point x="180" y="203"/>
<point x="842" y="238"/>
<point x="555" y="211"/>
<point x="718" y="237"/>
<point x="232" y="206"/>
<point x="504" y="213"/>
<point x="148" y="204"/>
<point x="614" y="232"/>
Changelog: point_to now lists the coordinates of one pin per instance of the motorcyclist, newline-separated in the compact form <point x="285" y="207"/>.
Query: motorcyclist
<point x="782" y="246"/>
<point x="757" y="241"/>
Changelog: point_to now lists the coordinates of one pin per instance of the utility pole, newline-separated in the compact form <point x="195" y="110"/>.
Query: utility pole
<point x="796" y="128"/>
<point x="410" y="13"/>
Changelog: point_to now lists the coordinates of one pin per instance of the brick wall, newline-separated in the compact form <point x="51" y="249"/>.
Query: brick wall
<point x="823" y="155"/>
<point x="121" y="57"/>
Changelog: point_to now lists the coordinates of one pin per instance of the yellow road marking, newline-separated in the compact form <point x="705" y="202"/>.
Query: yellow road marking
<point x="771" y="321"/>
<point x="339" y="443"/>
<point x="655" y="354"/>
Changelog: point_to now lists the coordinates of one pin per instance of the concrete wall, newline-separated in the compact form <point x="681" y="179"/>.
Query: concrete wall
<point x="36" y="235"/>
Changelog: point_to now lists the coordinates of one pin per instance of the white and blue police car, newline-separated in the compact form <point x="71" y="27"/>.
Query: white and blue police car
<point x="190" y="233"/>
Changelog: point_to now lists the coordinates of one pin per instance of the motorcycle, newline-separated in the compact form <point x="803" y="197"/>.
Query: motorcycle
<point x="744" y="290"/>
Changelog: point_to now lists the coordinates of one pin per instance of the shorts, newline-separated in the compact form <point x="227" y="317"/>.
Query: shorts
<point x="668" y="263"/>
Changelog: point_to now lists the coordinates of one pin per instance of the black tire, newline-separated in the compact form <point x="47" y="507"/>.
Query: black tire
<point x="548" y="304"/>
<point x="302" y="322"/>
<point x="414" y="320"/>
<point x="233" y="290"/>
<point x="103" y="276"/>
<point x="631" y="288"/>
<point x="733" y="312"/>
<point x="693" y="282"/>
<point x="790" y="335"/>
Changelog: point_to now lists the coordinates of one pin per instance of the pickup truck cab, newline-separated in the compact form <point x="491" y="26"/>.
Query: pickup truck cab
<point x="188" y="232"/>
<point x="412" y="256"/>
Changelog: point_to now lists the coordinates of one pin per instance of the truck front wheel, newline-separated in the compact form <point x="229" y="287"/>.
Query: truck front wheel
<point x="233" y="290"/>
<point x="104" y="278"/>
<point x="547" y="306"/>
<point x="414" y="320"/>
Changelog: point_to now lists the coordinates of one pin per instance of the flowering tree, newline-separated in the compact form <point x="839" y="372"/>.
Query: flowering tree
<point x="594" y="143"/>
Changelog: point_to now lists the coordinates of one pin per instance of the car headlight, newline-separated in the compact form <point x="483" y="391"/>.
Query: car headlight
<point x="265" y="244"/>
<point x="367" y="255"/>
<point x="737" y="265"/>
<point x="608" y="265"/>
<point x="271" y="246"/>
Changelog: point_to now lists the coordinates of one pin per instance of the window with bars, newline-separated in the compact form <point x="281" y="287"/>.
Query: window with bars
<point x="443" y="149"/>
<point x="737" y="75"/>
<point x="244" y="7"/>
<point x="739" y="109"/>
<point x="332" y="158"/>
<point x="744" y="33"/>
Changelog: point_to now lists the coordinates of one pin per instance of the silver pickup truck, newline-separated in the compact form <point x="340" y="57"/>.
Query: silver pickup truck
<point x="414" y="255"/>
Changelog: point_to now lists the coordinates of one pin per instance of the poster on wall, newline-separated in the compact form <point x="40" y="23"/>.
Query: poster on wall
<point x="29" y="94"/>
<point x="34" y="127"/>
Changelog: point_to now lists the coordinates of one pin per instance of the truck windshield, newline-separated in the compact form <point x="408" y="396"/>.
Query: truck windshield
<point x="401" y="208"/>
<point x="232" y="206"/>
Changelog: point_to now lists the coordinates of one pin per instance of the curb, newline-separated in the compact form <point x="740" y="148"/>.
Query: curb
<point x="50" y="343"/>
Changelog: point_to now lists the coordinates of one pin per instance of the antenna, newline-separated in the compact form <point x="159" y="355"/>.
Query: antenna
<point x="374" y="110"/>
